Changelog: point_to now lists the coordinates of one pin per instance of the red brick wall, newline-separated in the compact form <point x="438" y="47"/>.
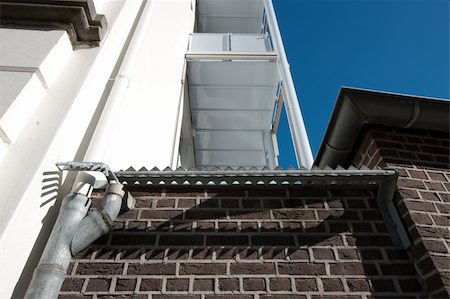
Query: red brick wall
<point x="423" y="196"/>
<point x="255" y="243"/>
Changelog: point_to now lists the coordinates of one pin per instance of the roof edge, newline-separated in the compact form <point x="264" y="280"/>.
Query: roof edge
<point x="355" y="108"/>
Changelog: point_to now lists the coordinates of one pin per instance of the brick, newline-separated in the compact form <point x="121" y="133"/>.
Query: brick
<point x="408" y="193"/>
<point x="420" y="206"/>
<point x="429" y="196"/>
<point x="443" y="207"/>
<point x="308" y="192"/>
<point x="72" y="284"/>
<point x="435" y="246"/>
<point x="131" y="214"/>
<point x="279" y="296"/>
<point x="202" y="253"/>
<point x="204" y="226"/>
<point x="154" y="254"/>
<point x="182" y="226"/>
<point x="136" y="225"/>
<point x="433" y="232"/>
<point x="160" y="214"/>
<point x="335" y="204"/>
<point x="249" y="214"/>
<point x="371" y="215"/>
<point x="251" y="203"/>
<point x="271" y="203"/>
<point x="358" y="285"/>
<point x="314" y="203"/>
<point x="301" y="268"/>
<point x="280" y="284"/>
<point x="125" y="284"/>
<point x="205" y="285"/>
<point x="143" y="202"/>
<point x="356" y="203"/>
<point x="254" y="284"/>
<point x="186" y="202"/>
<point x="369" y="240"/>
<point x="202" y="269"/>
<point x="289" y="226"/>
<point x="178" y="240"/>
<point x="228" y="226"/>
<point x="252" y="268"/>
<point x="204" y="214"/>
<point x="323" y="240"/>
<point x="383" y="285"/>
<point x="435" y="186"/>
<point x="99" y="268"/>
<point x="98" y="285"/>
<point x="269" y="227"/>
<point x="397" y="269"/>
<point x="226" y="253"/>
<point x="294" y="214"/>
<point x="371" y="254"/>
<point x="275" y="240"/>
<point x="442" y="220"/>
<point x="226" y="193"/>
<point x="229" y="202"/>
<point x="348" y="254"/>
<point x="240" y="296"/>
<point x="267" y="193"/>
<point x="352" y="268"/>
<point x="268" y="254"/>
<point x="165" y="203"/>
<point x="151" y="269"/>
<point x="362" y="227"/>
<point x="421" y="218"/>
<point x="208" y="203"/>
<point x="248" y="254"/>
<point x="228" y="284"/>
<point x="298" y="254"/>
<point x="151" y="284"/>
<point x="332" y="285"/>
<point x="410" y="183"/>
<point x="134" y="239"/>
<point x="177" y="254"/>
<point x="85" y="254"/>
<point x="410" y="285"/>
<point x="417" y="174"/>
<point x="249" y="226"/>
<point x="177" y="284"/>
<point x="337" y="226"/>
<point x="237" y="240"/>
<point x="441" y="262"/>
<point x="171" y="296"/>
<point x="323" y="254"/>
<point x="436" y="176"/>
<point x="305" y="284"/>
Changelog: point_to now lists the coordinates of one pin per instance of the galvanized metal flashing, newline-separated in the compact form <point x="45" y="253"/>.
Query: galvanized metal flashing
<point x="384" y="180"/>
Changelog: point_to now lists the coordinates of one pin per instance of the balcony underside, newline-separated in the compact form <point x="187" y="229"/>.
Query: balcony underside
<point x="232" y="105"/>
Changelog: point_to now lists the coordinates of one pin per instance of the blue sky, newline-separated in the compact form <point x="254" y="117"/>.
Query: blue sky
<point x="397" y="46"/>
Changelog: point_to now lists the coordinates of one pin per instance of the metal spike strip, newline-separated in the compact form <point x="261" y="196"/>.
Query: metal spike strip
<point x="248" y="177"/>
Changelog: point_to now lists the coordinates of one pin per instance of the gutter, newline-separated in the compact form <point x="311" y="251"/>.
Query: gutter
<point x="356" y="108"/>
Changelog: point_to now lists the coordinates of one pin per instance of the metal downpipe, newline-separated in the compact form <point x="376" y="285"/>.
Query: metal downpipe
<point x="73" y="231"/>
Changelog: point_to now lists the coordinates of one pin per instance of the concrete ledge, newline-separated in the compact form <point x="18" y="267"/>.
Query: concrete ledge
<point x="78" y="17"/>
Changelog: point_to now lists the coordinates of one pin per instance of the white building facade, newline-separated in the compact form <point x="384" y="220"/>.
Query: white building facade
<point x="179" y="83"/>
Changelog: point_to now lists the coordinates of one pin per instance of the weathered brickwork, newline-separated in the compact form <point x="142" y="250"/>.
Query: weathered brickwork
<point x="423" y="196"/>
<point x="254" y="243"/>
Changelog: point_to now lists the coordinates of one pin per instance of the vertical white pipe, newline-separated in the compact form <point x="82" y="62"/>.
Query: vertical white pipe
<point x="300" y="138"/>
<point x="101" y="137"/>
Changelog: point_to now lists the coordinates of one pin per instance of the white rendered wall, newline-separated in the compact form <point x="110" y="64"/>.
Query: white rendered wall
<point x="142" y="128"/>
<point x="54" y="132"/>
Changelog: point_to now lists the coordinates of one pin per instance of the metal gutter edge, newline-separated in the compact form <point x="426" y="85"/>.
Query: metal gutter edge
<point x="385" y="179"/>
<point x="355" y="108"/>
<point x="244" y="177"/>
<point x="385" y="201"/>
